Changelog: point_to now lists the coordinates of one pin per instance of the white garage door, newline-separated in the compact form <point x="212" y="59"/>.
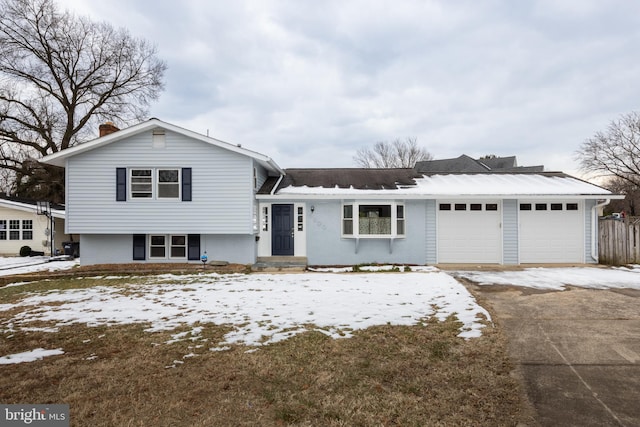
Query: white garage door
<point x="469" y="232"/>
<point x="551" y="232"/>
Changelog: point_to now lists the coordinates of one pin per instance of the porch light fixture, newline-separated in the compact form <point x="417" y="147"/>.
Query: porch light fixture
<point x="313" y="208"/>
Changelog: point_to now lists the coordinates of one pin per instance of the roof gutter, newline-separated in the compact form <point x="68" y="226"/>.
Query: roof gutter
<point x="594" y="228"/>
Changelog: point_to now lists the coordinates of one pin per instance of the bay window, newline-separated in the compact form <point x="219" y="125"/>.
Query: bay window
<point x="373" y="220"/>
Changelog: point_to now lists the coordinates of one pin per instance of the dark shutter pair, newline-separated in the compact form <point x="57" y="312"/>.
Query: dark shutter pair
<point x="121" y="184"/>
<point x="140" y="246"/>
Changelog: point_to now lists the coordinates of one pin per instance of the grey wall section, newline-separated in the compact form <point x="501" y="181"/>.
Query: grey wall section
<point x="510" y="232"/>
<point x="431" y="229"/>
<point x="588" y="231"/>
<point x="232" y="248"/>
<point x="325" y="246"/>
<point x="106" y="248"/>
<point x="118" y="249"/>
<point x="222" y="193"/>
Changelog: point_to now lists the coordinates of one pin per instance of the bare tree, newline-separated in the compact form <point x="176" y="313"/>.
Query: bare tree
<point x="60" y="75"/>
<point x="631" y="202"/>
<point x="397" y="154"/>
<point x="615" y="152"/>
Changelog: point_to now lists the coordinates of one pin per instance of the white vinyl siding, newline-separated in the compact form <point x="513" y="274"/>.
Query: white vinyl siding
<point x="222" y="189"/>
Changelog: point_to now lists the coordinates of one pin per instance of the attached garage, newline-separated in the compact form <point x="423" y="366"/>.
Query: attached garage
<point x="551" y="231"/>
<point x="469" y="231"/>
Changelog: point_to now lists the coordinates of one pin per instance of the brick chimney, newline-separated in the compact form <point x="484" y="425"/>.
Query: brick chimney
<point x="107" y="128"/>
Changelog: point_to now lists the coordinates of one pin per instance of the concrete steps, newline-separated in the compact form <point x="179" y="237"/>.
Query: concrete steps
<point x="288" y="264"/>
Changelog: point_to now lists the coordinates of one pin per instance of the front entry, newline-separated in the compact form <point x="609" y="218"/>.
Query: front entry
<point x="282" y="230"/>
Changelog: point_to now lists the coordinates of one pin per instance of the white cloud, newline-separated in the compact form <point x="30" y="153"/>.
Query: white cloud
<point x="308" y="83"/>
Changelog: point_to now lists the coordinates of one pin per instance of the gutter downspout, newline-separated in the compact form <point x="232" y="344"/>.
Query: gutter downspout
<point x="275" y="187"/>
<point x="595" y="230"/>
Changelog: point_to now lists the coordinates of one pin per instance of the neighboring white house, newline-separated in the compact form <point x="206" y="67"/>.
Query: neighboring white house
<point x="20" y="225"/>
<point x="156" y="192"/>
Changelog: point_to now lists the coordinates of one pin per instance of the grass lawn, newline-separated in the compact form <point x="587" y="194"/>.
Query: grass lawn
<point x="122" y="375"/>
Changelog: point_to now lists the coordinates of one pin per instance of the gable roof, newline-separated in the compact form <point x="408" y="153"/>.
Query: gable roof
<point x="407" y="183"/>
<point x="28" y="205"/>
<point x="59" y="158"/>
<point x="466" y="164"/>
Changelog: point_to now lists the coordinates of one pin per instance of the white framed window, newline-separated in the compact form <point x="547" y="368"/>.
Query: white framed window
<point x="141" y="183"/>
<point x="3" y="229"/>
<point x="14" y="229"/>
<point x="157" y="246"/>
<point x="265" y="218"/>
<point x="168" y="183"/>
<point x="178" y="247"/>
<point x="160" y="183"/>
<point x="27" y="229"/>
<point x="373" y="220"/>
<point x="167" y="246"/>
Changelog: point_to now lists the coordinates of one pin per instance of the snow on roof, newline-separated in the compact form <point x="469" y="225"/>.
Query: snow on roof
<point x="543" y="184"/>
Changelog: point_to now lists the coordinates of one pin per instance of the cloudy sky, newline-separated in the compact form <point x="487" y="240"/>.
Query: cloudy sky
<point x="309" y="82"/>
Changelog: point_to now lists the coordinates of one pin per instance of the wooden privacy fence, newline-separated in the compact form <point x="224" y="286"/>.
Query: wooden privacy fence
<point x="619" y="241"/>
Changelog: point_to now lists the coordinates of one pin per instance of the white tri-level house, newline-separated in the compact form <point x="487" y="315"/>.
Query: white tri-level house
<point x="155" y="192"/>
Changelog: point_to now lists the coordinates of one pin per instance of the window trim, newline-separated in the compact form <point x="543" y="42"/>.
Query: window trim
<point x="184" y="184"/>
<point x="355" y="220"/>
<point x="168" y="246"/>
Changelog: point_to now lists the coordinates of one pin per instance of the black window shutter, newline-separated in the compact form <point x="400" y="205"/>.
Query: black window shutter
<point x="193" y="244"/>
<point x="186" y="184"/>
<point x="121" y="184"/>
<point x="139" y="245"/>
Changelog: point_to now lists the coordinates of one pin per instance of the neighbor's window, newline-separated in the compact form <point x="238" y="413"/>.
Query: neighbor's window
<point x="141" y="183"/>
<point x="3" y="229"/>
<point x="27" y="229"/>
<point x="168" y="183"/>
<point x="157" y="247"/>
<point x="14" y="229"/>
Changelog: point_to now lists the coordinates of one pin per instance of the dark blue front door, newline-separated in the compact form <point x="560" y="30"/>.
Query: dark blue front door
<point x="282" y="230"/>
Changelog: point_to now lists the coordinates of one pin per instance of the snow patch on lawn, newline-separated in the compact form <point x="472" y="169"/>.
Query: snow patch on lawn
<point x="559" y="278"/>
<point x="23" y="265"/>
<point x="29" y="356"/>
<point x="261" y="308"/>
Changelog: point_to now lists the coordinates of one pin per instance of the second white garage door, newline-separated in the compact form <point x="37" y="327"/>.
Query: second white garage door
<point x="469" y="232"/>
<point x="551" y="232"/>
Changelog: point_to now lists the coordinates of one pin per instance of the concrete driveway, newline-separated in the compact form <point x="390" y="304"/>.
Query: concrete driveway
<point x="578" y="351"/>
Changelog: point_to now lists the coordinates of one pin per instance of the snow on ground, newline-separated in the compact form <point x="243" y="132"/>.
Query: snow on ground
<point x="22" y="265"/>
<point x="560" y="278"/>
<point x="261" y="308"/>
<point x="29" y="356"/>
